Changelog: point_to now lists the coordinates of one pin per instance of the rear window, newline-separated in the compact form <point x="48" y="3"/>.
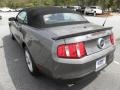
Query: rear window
<point x="62" y="18"/>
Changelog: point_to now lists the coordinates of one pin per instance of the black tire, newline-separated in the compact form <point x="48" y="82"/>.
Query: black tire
<point x="34" y="70"/>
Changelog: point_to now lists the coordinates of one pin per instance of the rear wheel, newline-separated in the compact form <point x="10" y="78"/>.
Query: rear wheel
<point x="30" y="64"/>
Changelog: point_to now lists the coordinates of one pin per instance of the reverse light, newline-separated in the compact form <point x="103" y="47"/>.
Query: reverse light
<point x="73" y="50"/>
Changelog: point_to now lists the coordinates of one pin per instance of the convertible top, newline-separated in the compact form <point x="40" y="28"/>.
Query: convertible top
<point x="35" y="15"/>
<point x="47" y="10"/>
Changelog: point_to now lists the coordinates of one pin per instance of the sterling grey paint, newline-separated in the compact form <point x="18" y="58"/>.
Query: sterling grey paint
<point x="42" y="47"/>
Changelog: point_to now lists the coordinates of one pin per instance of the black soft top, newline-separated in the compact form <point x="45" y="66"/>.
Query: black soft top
<point x="47" y="10"/>
<point x="35" y="15"/>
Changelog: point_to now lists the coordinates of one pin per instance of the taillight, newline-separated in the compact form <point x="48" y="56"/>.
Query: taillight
<point x="73" y="50"/>
<point x="61" y="51"/>
<point x="112" y="39"/>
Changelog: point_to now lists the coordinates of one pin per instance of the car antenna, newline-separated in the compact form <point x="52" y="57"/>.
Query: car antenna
<point x="105" y="19"/>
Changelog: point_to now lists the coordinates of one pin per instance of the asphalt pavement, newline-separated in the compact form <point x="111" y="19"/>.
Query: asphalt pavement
<point x="15" y="76"/>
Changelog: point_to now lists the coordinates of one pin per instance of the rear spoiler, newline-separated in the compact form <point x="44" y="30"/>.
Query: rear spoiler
<point x="82" y="33"/>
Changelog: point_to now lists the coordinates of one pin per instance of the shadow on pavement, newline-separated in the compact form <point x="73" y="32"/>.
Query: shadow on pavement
<point x="21" y="78"/>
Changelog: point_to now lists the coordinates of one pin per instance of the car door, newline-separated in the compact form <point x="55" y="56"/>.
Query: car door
<point x="21" y="20"/>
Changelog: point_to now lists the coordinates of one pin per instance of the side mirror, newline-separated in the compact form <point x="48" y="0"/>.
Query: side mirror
<point x="12" y="19"/>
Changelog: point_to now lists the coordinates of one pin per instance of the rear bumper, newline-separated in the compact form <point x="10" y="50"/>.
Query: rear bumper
<point x="72" y="71"/>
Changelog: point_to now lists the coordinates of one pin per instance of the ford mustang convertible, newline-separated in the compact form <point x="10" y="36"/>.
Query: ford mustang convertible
<point x="61" y="43"/>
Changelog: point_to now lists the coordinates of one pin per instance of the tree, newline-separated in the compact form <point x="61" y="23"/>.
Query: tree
<point x="35" y="3"/>
<point x="2" y="3"/>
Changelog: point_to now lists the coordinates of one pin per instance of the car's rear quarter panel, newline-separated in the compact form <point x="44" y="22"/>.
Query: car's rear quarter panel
<point x="38" y="44"/>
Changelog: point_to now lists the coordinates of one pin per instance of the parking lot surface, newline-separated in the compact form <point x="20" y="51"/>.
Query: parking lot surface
<point x="15" y="76"/>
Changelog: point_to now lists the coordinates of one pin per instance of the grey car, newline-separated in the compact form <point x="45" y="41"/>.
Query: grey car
<point x="61" y="43"/>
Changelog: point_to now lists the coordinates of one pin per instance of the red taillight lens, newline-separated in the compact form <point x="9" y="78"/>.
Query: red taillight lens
<point x="112" y="39"/>
<point x="74" y="50"/>
<point x="82" y="49"/>
<point x="61" y="52"/>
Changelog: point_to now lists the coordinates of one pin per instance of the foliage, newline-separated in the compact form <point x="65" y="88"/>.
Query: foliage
<point x="35" y="3"/>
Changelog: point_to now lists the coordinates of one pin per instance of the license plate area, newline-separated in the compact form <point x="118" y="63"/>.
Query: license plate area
<point x="100" y="63"/>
